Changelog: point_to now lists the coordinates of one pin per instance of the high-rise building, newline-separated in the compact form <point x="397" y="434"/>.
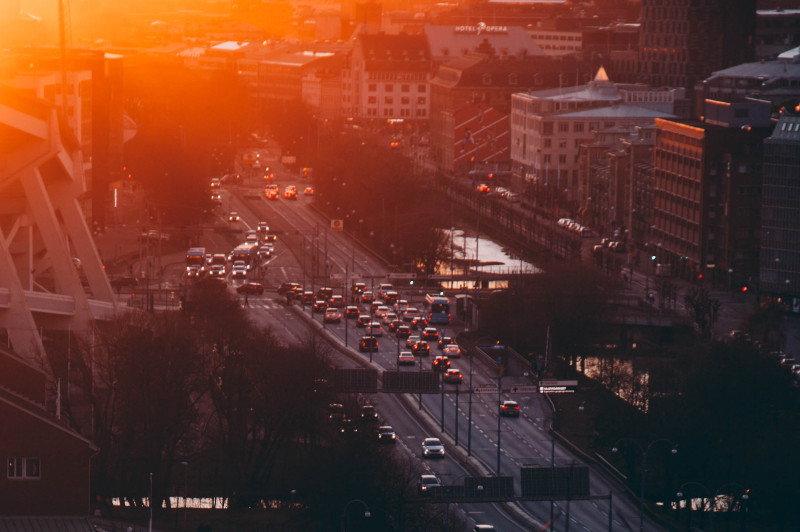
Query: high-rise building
<point x="780" y="213"/>
<point x="707" y="192"/>
<point x="684" y="41"/>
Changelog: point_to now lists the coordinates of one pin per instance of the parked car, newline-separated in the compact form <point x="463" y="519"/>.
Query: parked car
<point x="509" y="409"/>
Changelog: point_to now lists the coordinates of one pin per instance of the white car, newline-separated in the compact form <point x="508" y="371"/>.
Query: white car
<point x="374" y="329"/>
<point x="432" y="448"/>
<point x="239" y="270"/>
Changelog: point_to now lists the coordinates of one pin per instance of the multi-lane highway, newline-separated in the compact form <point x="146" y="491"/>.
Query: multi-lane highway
<point x="309" y="252"/>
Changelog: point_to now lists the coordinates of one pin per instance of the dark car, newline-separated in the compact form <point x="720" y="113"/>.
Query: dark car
<point x="308" y="298"/>
<point x="445" y="340"/>
<point x="369" y="414"/>
<point x="386" y="434"/>
<point x="367" y="344"/>
<point x="440" y="363"/>
<point x="430" y="333"/>
<point x="320" y="305"/>
<point x="403" y="331"/>
<point x="363" y="320"/>
<point x="324" y="293"/>
<point x="395" y="325"/>
<point x="421" y="349"/>
<point x="336" y="301"/>
<point x="351" y="313"/>
<point x="285" y="288"/>
<point x="250" y="288"/>
<point x="418" y="323"/>
<point x="509" y="409"/>
<point x="452" y="376"/>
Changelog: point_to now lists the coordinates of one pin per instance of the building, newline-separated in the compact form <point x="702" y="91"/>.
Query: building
<point x="450" y="42"/>
<point x="707" y="192"/>
<point x="777" y="30"/>
<point x="774" y="80"/>
<point x="386" y="77"/>
<point x="682" y="43"/>
<point x="780" y="214"/>
<point x="48" y="465"/>
<point x="548" y="128"/>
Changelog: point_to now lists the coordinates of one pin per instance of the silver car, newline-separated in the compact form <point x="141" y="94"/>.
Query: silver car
<point x="432" y="448"/>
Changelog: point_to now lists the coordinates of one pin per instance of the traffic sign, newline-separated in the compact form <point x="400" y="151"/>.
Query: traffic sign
<point x="524" y="389"/>
<point x="337" y="225"/>
<point x="485" y="389"/>
<point x="402" y="276"/>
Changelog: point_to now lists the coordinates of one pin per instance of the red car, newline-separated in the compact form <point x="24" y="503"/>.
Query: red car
<point x="441" y="363"/>
<point x="421" y="349"/>
<point x="250" y="288"/>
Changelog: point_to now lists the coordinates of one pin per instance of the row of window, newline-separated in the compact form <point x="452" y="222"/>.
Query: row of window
<point x="372" y="87"/>
<point x="389" y="112"/>
<point x="389" y="100"/>
<point x="24" y="468"/>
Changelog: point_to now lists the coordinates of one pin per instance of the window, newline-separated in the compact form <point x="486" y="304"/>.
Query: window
<point x="387" y="100"/>
<point x="421" y="100"/>
<point x="372" y="99"/>
<point x="578" y="127"/>
<point x="563" y="127"/>
<point x="405" y="100"/>
<point x="420" y="88"/>
<point x="405" y="88"/>
<point x="372" y="87"/>
<point x="24" y="468"/>
<point x="389" y="88"/>
<point x="548" y="143"/>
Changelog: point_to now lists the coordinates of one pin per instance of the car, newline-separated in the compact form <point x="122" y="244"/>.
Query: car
<point x="375" y="329"/>
<point x="383" y="289"/>
<point x="412" y="340"/>
<point x="290" y="192"/>
<point x="308" y="191"/>
<point x="410" y="313"/>
<point x="381" y="311"/>
<point x="363" y="320"/>
<point x="336" y="301"/>
<point x="270" y="237"/>
<point x="452" y="351"/>
<point x="406" y="358"/>
<point x="359" y="288"/>
<point x="262" y="227"/>
<point x="419" y="323"/>
<point x="351" y="312"/>
<point x="336" y="412"/>
<point x="428" y="482"/>
<point x="421" y="349"/>
<point x="320" y="305"/>
<point x="215" y="183"/>
<point x="402" y="331"/>
<point x="390" y="297"/>
<point x="452" y="376"/>
<point x="440" y="363"/>
<point x="509" y="409"/>
<point x="375" y="304"/>
<point x="332" y="315"/>
<point x="391" y="318"/>
<point x="445" y="340"/>
<point x="192" y="272"/>
<point x="265" y="252"/>
<point x="251" y="237"/>
<point x="239" y="271"/>
<point x="285" y="288"/>
<point x="272" y="192"/>
<point x="368" y="343"/>
<point x="250" y="288"/>
<point x="347" y="427"/>
<point x="483" y="188"/>
<point x="432" y="448"/>
<point x="400" y="306"/>
<point x="233" y="216"/>
<point x="386" y="434"/>
<point x="216" y="198"/>
<point x="369" y="414"/>
<point x="308" y="298"/>
<point x="430" y="333"/>
<point x="325" y="293"/>
<point x="483" y="528"/>
<point x="367" y="296"/>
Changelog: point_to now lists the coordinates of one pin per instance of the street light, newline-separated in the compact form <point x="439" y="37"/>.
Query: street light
<point x="553" y="417"/>
<point x="644" y="450"/>
<point x="367" y="513"/>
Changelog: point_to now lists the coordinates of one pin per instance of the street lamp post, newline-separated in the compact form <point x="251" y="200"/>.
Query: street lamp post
<point x="343" y="521"/>
<point x="644" y="450"/>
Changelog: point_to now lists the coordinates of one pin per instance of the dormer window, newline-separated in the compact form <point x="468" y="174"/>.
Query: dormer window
<point x="487" y="79"/>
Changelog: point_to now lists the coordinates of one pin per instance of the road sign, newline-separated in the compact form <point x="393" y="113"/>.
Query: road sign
<point x="523" y="389"/>
<point x="402" y="276"/>
<point x="557" y="386"/>
<point x="337" y="225"/>
<point x="485" y="389"/>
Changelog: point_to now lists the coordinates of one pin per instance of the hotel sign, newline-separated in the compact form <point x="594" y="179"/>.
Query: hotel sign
<point x="481" y="27"/>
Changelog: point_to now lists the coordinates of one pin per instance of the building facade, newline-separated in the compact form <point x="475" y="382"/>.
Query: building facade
<point x="707" y="189"/>
<point x="780" y="214"/>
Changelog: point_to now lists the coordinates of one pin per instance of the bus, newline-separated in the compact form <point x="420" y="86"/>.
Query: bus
<point x="248" y="252"/>
<point x="196" y="257"/>
<point x="437" y="308"/>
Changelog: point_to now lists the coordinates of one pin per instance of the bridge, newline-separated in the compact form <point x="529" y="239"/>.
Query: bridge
<point x="51" y="275"/>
